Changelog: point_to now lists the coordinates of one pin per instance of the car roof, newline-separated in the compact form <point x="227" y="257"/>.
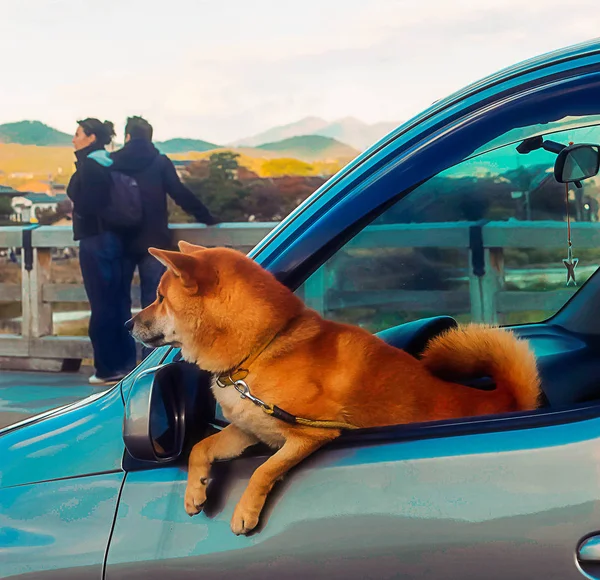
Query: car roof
<point x="532" y="65"/>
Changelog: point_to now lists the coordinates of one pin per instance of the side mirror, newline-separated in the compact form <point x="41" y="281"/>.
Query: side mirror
<point x="576" y="163"/>
<point x="161" y="402"/>
<point x="154" y="422"/>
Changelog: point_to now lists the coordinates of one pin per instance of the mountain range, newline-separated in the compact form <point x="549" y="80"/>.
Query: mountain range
<point x="309" y="139"/>
<point x="348" y="130"/>
<point x="40" y="134"/>
<point x="33" y="133"/>
<point x="181" y="145"/>
<point x="310" y="148"/>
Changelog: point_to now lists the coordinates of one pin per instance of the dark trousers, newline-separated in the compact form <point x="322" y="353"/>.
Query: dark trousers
<point x="102" y="262"/>
<point x="150" y="271"/>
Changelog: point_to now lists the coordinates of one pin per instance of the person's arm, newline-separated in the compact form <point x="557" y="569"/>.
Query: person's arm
<point x="89" y="188"/>
<point x="183" y="197"/>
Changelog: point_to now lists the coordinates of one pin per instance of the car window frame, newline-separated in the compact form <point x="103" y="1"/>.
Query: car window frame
<point x="446" y="428"/>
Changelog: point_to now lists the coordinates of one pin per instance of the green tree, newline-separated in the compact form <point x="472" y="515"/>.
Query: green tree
<point x="216" y="184"/>
<point x="5" y="209"/>
<point x="46" y="217"/>
<point x="223" y="166"/>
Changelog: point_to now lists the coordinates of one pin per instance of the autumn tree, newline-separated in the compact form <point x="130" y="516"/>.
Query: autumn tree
<point x="285" y="166"/>
<point x="234" y="193"/>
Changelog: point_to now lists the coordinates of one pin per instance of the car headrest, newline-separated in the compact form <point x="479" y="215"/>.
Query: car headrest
<point x="414" y="336"/>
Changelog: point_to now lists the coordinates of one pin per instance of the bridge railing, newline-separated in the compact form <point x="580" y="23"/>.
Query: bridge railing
<point x="487" y="297"/>
<point x="37" y="346"/>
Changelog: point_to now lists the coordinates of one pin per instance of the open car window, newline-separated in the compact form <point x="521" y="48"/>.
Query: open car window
<point x="471" y="243"/>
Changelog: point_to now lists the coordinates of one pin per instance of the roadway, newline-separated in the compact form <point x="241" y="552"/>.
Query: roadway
<point x="23" y="394"/>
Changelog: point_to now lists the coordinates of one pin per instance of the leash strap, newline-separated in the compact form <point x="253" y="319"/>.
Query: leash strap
<point x="236" y="380"/>
<point x="282" y="415"/>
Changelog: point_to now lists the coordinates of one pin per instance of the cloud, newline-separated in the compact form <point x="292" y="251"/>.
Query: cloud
<point x="223" y="71"/>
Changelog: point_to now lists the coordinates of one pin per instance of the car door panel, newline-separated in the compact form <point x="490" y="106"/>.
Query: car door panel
<point x="57" y="530"/>
<point x="445" y="507"/>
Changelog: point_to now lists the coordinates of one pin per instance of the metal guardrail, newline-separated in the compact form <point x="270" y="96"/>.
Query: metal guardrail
<point x="486" y="299"/>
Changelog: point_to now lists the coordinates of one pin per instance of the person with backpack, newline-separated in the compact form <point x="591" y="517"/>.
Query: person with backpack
<point x="156" y="176"/>
<point x="104" y="203"/>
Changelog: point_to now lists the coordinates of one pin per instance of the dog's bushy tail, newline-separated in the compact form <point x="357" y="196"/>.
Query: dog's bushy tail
<point x="477" y="350"/>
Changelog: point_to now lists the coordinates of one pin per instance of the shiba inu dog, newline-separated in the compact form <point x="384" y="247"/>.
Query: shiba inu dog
<point x="306" y="378"/>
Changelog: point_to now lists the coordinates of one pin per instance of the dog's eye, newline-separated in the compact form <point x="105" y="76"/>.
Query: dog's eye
<point x="160" y="298"/>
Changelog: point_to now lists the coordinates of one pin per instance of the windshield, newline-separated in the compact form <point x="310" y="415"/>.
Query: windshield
<point x="518" y="134"/>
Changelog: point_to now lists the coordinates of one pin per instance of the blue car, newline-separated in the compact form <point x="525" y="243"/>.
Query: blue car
<point x="461" y="214"/>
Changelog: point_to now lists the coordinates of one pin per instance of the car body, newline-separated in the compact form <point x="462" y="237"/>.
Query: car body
<point x="513" y="496"/>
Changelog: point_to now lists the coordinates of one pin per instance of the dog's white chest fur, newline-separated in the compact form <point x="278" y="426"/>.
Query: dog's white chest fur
<point x="244" y="414"/>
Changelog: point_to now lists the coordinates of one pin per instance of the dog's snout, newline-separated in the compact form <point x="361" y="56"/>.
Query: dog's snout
<point x="129" y="324"/>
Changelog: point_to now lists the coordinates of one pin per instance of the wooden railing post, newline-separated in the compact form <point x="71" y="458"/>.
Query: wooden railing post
<point x="26" y="317"/>
<point x="484" y="288"/>
<point x="486" y="277"/>
<point x="35" y="272"/>
<point x="41" y="312"/>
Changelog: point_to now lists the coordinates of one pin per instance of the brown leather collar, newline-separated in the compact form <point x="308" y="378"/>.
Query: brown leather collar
<point x="239" y="372"/>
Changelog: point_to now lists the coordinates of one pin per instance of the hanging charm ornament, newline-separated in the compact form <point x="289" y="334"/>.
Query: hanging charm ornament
<point x="570" y="262"/>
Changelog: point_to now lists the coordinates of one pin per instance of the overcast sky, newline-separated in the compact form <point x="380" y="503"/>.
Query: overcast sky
<point x="222" y="70"/>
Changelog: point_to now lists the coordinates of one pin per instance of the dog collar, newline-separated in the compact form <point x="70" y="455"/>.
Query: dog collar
<point x="236" y="378"/>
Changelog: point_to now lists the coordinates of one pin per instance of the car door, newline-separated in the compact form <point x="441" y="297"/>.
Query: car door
<point x="505" y="504"/>
<point x="60" y="479"/>
<point x="508" y="496"/>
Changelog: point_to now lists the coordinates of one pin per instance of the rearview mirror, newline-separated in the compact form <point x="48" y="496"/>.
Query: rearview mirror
<point x="576" y="163"/>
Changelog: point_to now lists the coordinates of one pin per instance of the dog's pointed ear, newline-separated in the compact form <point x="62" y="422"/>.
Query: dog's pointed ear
<point x="181" y="265"/>
<point x="188" y="248"/>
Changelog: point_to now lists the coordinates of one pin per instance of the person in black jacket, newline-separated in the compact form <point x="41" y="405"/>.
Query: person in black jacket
<point x="156" y="177"/>
<point x="101" y="254"/>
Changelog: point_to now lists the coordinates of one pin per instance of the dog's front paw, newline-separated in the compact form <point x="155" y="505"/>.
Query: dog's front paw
<point x="195" y="497"/>
<point x="244" y="520"/>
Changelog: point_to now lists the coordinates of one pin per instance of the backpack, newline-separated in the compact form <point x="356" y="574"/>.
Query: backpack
<point x="124" y="209"/>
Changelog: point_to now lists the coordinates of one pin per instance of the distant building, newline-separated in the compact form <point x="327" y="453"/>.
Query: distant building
<point x="181" y="166"/>
<point x="25" y="206"/>
<point x="21" y="175"/>
<point x="7" y="191"/>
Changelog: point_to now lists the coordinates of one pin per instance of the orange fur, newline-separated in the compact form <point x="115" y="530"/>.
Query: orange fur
<point x="477" y="350"/>
<point x="221" y="308"/>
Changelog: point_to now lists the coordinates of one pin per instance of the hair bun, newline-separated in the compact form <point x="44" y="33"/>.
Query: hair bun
<point x="110" y="128"/>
